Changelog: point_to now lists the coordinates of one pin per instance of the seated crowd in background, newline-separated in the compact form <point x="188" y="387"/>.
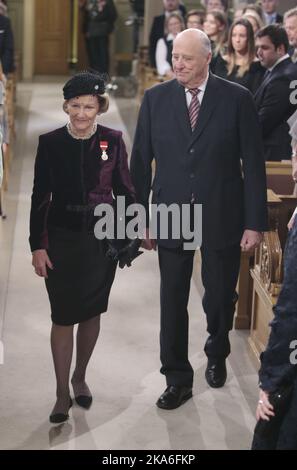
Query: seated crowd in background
<point x="240" y="55"/>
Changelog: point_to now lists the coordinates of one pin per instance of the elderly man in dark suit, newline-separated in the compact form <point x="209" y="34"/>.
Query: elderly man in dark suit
<point x="6" y="45"/>
<point x="198" y="128"/>
<point x="273" y="96"/>
<point x="158" y="26"/>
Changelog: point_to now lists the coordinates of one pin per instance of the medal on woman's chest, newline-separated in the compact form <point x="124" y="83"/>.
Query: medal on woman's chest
<point x="103" y="147"/>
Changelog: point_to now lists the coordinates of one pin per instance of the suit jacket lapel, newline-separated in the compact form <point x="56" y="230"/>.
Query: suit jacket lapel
<point x="181" y="110"/>
<point x="210" y="99"/>
<point x="261" y="88"/>
<point x="276" y="71"/>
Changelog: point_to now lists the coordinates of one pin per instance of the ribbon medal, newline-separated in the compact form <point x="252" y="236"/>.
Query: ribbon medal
<point x="103" y="147"/>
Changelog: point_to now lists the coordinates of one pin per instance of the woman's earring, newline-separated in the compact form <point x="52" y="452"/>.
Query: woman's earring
<point x="65" y="108"/>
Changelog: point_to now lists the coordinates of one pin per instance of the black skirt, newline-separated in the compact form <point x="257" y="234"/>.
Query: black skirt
<point x="79" y="285"/>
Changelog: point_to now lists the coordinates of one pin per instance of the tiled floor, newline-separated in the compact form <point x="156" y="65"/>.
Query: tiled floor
<point x="124" y="372"/>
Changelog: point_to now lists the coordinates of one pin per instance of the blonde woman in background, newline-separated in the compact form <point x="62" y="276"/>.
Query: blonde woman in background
<point x="174" y="25"/>
<point x="216" y="26"/>
<point x="255" y="20"/>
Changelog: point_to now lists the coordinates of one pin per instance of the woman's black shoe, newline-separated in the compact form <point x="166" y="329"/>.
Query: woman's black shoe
<point x="59" y="418"/>
<point x="84" y="401"/>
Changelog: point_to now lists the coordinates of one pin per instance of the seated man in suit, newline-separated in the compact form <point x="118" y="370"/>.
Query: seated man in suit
<point x="273" y="96"/>
<point x="271" y="16"/>
<point x="198" y="147"/>
<point x="158" y="27"/>
<point x="290" y="24"/>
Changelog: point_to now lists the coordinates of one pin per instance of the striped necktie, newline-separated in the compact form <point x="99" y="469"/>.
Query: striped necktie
<point x="194" y="107"/>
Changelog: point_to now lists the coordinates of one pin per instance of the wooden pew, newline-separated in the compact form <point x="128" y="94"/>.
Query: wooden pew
<point x="279" y="180"/>
<point x="267" y="273"/>
<point x="279" y="177"/>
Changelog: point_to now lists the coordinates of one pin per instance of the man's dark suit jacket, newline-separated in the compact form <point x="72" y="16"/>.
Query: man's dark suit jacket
<point x="205" y="163"/>
<point x="274" y="109"/>
<point x="6" y="45"/>
<point x="157" y="32"/>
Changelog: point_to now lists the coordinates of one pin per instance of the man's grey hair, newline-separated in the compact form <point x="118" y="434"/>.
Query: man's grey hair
<point x="201" y="37"/>
<point x="290" y="13"/>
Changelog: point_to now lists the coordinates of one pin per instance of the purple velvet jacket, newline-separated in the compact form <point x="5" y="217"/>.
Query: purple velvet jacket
<point x="71" y="178"/>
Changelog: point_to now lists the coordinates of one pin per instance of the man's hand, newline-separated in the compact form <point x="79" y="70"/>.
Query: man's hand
<point x="250" y="240"/>
<point x="148" y="243"/>
<point x="41" y="261"/>
<point x="264" y="408"/>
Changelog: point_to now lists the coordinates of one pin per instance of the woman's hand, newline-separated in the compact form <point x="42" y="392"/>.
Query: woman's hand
<point x="41" y="261"/>
<point x="264" y="408"/>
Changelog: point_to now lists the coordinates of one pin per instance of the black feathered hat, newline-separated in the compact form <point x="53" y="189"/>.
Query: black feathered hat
<point x="84" y="83"/>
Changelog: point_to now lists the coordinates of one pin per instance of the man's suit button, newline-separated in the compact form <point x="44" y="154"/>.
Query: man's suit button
<point x="192" y="151"/>
<point x="192" y="175"/>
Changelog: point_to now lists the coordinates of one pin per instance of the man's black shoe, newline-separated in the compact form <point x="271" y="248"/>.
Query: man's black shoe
<point x="173" y="397"/>
<point x="216" y="373"/>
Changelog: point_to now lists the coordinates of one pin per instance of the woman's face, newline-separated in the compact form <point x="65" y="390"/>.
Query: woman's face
<point x="194" y="21"/>
<point x="211" y="26"/>
<point x="82" y="112"/>
<point x="174" y="26"/>
<point x="239" y="39"/>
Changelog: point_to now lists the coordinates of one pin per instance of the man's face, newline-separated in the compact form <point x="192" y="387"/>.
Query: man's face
<point x="194" y="21"/>
<point x="189" y="61"/>
<point x="269" y="6"/>
<point x="267" y="53"/>
<point x="291" y="28"/>
<point x="214" y="5"/>
<point x="171" y="5"/>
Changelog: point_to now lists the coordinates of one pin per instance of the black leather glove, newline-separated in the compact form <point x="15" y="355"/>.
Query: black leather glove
<point x="112" y="251"/>
<point x="123" y="251"/>
<point x="129" y="253"/>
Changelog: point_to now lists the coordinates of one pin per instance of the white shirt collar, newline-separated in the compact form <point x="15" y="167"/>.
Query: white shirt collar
<point x="286" y="56"/>
<point x="170" y="37"/>
<point x="270" y="16"/>
<point x="202" y="86"/>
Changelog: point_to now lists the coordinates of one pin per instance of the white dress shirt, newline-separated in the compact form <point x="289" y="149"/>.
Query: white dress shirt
<point x="161" y="55"/>
<point x="284" y="57"/>
<point x="202" y="88"/>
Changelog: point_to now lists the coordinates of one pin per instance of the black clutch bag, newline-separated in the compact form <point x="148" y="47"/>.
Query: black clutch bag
<point x="266" y="432"/>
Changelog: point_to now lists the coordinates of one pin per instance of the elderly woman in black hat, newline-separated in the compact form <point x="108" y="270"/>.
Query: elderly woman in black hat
<point x="78" y="166"/>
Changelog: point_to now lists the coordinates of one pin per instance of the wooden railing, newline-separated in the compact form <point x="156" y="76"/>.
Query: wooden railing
<point x="147" y="76"/>
<point x="267" y="272"/>
<point x="281" y="187"/>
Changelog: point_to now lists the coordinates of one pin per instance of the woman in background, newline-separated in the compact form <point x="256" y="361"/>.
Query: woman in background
<point x="215" y="26"/>
<point x="240" y="65"/>
<point x="174" y="25"/>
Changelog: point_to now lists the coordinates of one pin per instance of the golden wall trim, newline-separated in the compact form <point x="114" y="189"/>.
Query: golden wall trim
<point x="28" y="39"/>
